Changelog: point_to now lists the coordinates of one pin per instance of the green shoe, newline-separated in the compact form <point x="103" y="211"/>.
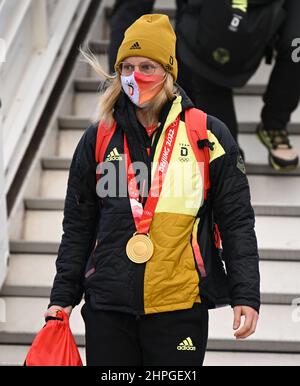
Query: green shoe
<point x="281" y="153"/>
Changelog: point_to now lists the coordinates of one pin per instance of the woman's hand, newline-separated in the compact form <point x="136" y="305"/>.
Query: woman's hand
<point x="250" y="323"/>
<point x="53" y="310"/>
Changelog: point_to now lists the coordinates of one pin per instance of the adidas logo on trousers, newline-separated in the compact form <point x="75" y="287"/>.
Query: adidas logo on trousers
<point x="186" y="345"/>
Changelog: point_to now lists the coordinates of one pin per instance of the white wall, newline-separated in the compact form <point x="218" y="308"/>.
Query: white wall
<point x="38" y="35"/>
<point x="3" y="216"/>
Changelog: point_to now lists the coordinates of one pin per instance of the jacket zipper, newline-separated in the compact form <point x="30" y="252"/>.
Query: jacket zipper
<point x="139" y="301"/>
<point x="139" y="290"/>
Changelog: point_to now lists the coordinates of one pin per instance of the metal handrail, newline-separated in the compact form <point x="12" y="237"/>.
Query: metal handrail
<point x="37" y="45"/>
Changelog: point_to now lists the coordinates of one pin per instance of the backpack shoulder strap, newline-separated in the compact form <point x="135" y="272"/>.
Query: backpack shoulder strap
<point x="104" y="135"/>
<point x="196" y="124"/>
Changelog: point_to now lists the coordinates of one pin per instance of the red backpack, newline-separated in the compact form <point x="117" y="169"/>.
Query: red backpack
<point x="196" y="124"/>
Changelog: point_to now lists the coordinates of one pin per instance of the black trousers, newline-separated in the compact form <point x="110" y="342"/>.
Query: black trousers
<point x="177" y="338"/>
<point x="283" y="91"/>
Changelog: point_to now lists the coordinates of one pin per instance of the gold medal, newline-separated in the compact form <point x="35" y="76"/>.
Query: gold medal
<point x="140" y="248"/>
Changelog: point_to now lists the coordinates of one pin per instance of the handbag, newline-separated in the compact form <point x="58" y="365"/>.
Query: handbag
<point x="54" y="345"/>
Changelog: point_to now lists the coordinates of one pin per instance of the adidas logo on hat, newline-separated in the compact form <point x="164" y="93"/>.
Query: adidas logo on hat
<point x="186" y="345"/>
<point x="151" y="36"/>
<point x="136" y="46"/>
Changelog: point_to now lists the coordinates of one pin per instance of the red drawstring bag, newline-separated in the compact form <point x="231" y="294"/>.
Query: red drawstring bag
<point x="54" y="345"/>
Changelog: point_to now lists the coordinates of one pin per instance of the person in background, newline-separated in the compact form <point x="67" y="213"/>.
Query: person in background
<point x="212" y="91"/>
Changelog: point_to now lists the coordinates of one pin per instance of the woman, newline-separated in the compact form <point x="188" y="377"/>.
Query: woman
<point x="145" y="256"/>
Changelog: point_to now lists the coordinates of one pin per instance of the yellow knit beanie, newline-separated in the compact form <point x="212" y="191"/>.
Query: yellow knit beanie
<point x="153" y="37"/>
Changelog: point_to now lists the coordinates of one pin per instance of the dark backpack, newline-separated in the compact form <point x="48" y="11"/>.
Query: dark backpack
<point x="226" y="44"/>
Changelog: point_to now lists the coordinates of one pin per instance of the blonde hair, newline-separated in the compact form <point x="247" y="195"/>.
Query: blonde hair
<point x="113" y="89"/>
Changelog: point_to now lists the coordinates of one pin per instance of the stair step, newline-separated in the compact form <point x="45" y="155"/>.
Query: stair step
<point x="279" y="254"/>
<point x="249" y="107"/>
<point x="32" y="275"/>
<point x="40" y="247"/>
<point x="280" y="282"/>
<point x="251" y="89"/>
<point x="277" y="210"/>
<point x="277" y="331"/>
<point x="46" y="226"/>
<point x="270" y="233"/>
<point x="266" y="170"/>
<point x="60" y="163"/>
<point x="282" y="338"/>
<point x="99" y="47"/>
<point x="267" y="195"/>
<point x="262" y="74"/>
<point x="44" y="204"/>
<point x="85" y="70"/>
<point x="86" y="105"/>
<point x="224" y="358"/>
<point x="256" y="153"/>
<point x="22" y="330"/>
<point x="56" y="163"/>
<point x="250" y="128"/>
<point x="71" y="122"/>
<point x="88" y="84"/>
<point x="265" y="190"/>
<point x="54" y="184"/>
<point x="14" y="355"/>
<point x="260" y="78"/>
<point x="41" y="203"/>
<point x="268" y="191"/>
<point x="42" y="225"/>
<point x="36" y="247"/>
<point x="67" y="142"/>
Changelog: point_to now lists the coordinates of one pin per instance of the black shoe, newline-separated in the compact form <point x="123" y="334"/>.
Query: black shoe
<point x="281" y="153"/>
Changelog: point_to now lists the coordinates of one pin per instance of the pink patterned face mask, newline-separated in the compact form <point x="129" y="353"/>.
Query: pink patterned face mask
<point x="142" y="88"/>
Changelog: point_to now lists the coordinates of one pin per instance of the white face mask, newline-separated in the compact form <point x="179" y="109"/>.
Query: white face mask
<point x="141" y="88"/>
<point x="131" y="88"/>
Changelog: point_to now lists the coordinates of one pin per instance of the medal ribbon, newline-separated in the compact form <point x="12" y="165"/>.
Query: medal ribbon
<point x="143" y="221"/>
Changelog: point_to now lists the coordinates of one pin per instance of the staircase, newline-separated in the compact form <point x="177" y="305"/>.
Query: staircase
<point x="35" y="227"/>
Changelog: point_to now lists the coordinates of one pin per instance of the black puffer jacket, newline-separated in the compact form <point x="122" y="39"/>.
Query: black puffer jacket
<point x="117" y="283"/>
